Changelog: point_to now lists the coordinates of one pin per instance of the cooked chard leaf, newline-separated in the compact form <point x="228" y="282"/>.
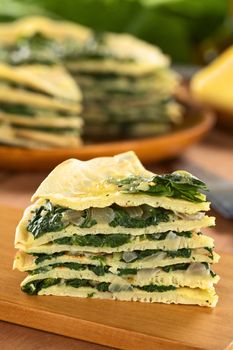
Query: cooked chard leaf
<point x="103" y="286"/>
<point x="122" y="272"/>
<point x="212" y="273"/>
<point x="175" y="267"/>
<point x="175" y="185"/>
<point x="182" y="253"/>
<point x="77" y="283"/>
<point x="150" y="216"/>
<point x="210" y="250"/>
<point x="42" y="257"/>
<point x="47" y="218"/>
<point x="51" y="218"/>
<point x="99" y="240"/>
<point x="141" y="254"/>
<point x="156" y="288"/>
<point x="34" y="287"/>
<point x="98" y="270"/>
<point x="88" y="220"/>
<point x="163" y="235"/>
<point x="100" y="258"/>
<point x="17" y="109"/>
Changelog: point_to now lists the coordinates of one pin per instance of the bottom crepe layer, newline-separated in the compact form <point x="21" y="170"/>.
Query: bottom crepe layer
<point x="202" y="297"/>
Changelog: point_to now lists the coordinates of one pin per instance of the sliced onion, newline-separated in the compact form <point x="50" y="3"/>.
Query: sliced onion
<point x="134" y="212"/>
<point x="144" y="274"/>
<point x="196" y="216"/>
<point x="156" y="256"/>
<point x="129" y="256"/>
<point x="175" y="240"/>
<point x="121" y="286"/>
<point x="73" y="217"/>
<point x="197" y="269"/>
<point x="103" y="215"/>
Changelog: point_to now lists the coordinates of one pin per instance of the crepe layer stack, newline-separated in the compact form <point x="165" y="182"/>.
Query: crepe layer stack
<point x="127" y="84"/>
<point x="39" y="107"/>
<point x="108" y="228"/>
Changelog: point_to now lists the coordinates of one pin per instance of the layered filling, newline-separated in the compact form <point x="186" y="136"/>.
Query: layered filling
<point x="122" y="252"/>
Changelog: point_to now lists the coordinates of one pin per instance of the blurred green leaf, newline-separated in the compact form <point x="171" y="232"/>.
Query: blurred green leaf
<point x="177" y="26"/>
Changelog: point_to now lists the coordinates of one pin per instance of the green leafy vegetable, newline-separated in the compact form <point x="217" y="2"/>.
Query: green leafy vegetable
<point x="99" y="240"/>
<point x="163" y="235"/>
<point x="156" y="288"/>
<point x="141" y="254"/>
<point x="42" y="257"/>
<point x="77" y="283"/>
<point x="98" y="270"/>
<point x="210" y="250"/>
<point x="50" y="218"/>
<point x="47" y="218"/>
<point x="34" y="287"/>
<point x="212" y="273"/>
<point x="175" y="185"/>
<point x="122" y="272"/>
<point x="103" y="286"/>
<point x="88" y="220"/>
<point x="150" y="216"/>
<point x="175" y="267"/>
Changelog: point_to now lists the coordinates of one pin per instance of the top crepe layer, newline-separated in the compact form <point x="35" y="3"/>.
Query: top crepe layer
<point x="83" y="184"/>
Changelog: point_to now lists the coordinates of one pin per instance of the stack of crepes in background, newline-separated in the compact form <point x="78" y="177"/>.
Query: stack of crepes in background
<point x="127" y="84"/>
<point x="108" y="228"/>
<point x="39" y="107"/>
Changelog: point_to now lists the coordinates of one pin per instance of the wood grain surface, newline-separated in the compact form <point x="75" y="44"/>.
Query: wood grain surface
<point x="124" y="325"/>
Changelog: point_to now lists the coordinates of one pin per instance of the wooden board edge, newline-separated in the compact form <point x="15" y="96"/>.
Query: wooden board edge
<point x="85" y="330"/>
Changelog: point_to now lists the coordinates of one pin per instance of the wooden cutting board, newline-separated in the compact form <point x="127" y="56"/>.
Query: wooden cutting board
<point x="123" y="325"/>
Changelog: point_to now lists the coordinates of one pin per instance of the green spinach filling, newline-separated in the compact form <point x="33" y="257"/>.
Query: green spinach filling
<point x="103" y="269"/>
<point x="142" y="254"/>
<point x="172" y="185"/>
<point x="99" y="240"/>
<point x="52" y="218"/>
<point x="149" y="216"/>
<point x="98" y="270"/>
<point x="34" y="287"/>
<point x="114" y="240"/>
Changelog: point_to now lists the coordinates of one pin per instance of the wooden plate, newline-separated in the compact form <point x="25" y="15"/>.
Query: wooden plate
<point x="119" y="324"/>
<point x="149" y="149"/>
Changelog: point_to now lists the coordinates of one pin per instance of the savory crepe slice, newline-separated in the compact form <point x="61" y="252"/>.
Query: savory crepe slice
<point x="109" y="228"/>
